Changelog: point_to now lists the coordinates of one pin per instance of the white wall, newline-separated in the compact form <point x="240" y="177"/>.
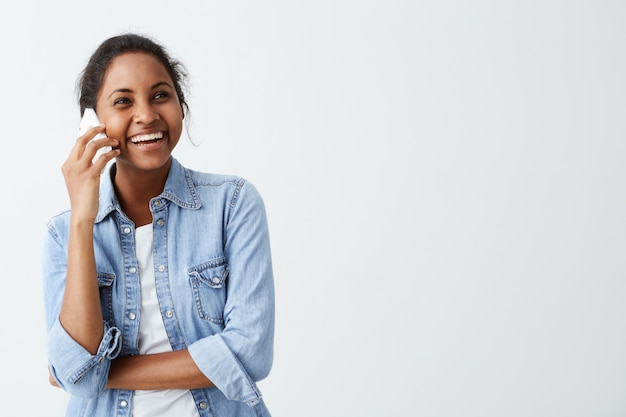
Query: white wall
<point x="444" y="184"/>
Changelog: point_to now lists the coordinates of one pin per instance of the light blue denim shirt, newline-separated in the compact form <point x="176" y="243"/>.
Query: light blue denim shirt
<point x="214" y="283"/>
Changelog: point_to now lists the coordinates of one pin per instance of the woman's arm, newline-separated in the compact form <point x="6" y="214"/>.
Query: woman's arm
<point x="242" y="353"/>
<point x="169" y="370"/>
<point x="81" y="314"/>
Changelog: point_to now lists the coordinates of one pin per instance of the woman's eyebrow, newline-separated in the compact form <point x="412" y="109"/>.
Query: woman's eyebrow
<point x="120" y="90"/>
<point x="160" y="83"/>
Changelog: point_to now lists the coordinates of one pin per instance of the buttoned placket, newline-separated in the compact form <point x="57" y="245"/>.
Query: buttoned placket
<point x="159" y="207"/>
<point x="132" y="312"/>
<point x="132" y="307"/>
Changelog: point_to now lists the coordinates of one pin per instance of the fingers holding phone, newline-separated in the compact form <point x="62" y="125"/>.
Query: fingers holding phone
<point x="90" y="120"/>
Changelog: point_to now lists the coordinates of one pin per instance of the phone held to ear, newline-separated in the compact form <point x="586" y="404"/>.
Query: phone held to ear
<point x="90" y="119"/>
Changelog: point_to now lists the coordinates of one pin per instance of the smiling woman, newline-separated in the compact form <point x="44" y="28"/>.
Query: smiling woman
<point x="158" y="281"/>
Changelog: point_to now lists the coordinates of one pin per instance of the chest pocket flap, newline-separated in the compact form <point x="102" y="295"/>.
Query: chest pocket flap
<point x="208" y="281"/>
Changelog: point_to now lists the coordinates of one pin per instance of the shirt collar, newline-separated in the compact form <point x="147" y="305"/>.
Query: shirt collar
<point x="179" y="189"/>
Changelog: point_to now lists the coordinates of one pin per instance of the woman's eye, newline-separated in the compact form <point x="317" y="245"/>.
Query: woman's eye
<point x="121" y="100"/>
<point x="160" y="95"/>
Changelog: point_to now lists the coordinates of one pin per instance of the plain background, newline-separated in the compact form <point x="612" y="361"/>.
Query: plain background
<point x="443" y="180"/>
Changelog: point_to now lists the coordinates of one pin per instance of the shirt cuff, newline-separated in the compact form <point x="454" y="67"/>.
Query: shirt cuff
<point x="64" y="353"/>
<point x="218" y="363"/>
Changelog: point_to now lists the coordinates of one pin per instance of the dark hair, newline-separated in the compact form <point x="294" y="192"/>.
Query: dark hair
<point x="91" y="77"/>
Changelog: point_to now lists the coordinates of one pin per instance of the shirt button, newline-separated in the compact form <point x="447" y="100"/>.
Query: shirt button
<point x="132" y="269"/>
<point x="203" y="405"/>
<point x="157" y="203"/>
<point x="169" y="313"/>
<point x="131" y="316"/>
<point x="160" y="222"/>
<point x="161" y="268"/>
<point x="126" y="230"/>
<point x="216" y="280"/>
<point x="123" y="403"/>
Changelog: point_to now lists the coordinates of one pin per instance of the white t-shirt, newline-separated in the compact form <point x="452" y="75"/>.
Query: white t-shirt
<point x="153" y="339"/>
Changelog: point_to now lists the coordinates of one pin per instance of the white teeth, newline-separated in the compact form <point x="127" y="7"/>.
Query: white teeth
<point x="144" y="138"/>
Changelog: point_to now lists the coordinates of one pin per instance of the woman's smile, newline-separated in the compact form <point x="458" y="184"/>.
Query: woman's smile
<point x="150" y="137"/>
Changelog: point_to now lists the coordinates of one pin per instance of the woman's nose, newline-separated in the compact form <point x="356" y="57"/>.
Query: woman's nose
<point x="145" y="113"/>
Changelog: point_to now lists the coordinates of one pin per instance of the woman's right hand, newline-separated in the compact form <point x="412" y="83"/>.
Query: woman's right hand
<point x="82" y="176"/>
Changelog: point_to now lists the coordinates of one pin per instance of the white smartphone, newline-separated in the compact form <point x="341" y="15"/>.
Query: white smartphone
<point x="90" y="119"/>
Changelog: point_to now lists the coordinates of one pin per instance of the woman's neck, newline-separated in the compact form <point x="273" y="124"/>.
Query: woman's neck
<point x="134" y="190"/>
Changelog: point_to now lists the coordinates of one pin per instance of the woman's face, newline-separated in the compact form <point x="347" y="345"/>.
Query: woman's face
<point x="139" y="106"/>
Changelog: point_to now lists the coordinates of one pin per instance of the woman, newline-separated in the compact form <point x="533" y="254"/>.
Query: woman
<point x="158" y="282"/>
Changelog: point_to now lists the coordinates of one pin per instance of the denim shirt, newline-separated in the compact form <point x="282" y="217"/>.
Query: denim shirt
<point x="214" y="283"/>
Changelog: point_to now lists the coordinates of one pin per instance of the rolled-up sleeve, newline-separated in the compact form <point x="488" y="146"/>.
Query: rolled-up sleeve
<point x="243" y="352"/>
<point x="74" y="368"/>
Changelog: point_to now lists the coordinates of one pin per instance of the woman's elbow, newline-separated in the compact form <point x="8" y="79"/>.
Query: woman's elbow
<point x="259" y="363"/>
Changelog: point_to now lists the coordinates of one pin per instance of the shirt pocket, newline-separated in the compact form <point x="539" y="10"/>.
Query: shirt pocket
<point x="208" y="284"/>
<point x="105" y="285"/>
